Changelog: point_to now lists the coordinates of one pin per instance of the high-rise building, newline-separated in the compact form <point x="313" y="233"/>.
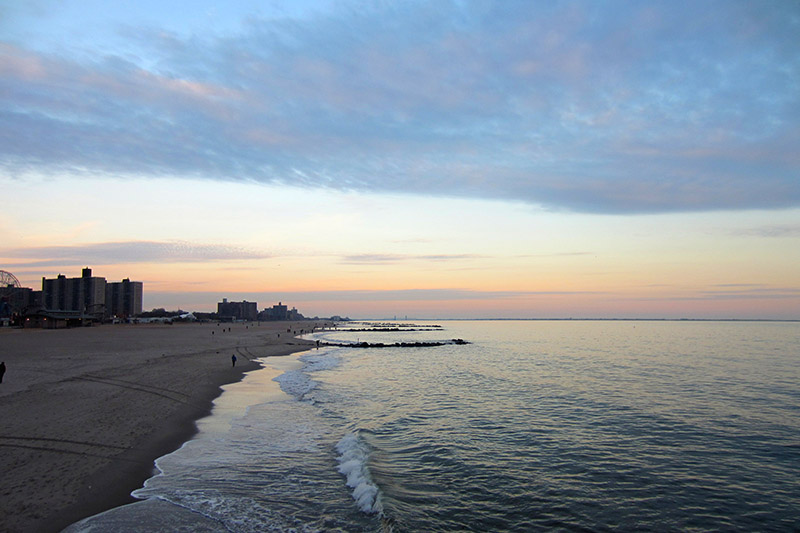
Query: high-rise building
<point x="280" y="312"/>
<point x="86" y="293"/>
<point x="124" y="298"/>
<point x="237" y="310"/>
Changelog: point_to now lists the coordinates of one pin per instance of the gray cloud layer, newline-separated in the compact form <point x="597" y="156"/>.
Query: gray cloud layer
<point x="587" y="106"/>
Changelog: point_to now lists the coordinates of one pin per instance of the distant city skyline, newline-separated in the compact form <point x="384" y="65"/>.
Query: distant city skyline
<point x="435" y="159"/>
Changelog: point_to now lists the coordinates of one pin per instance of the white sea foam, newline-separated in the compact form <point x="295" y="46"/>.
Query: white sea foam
<point x="298" y="383"/>
<point x="353" y="456"/>
<point x="319" y="360"/>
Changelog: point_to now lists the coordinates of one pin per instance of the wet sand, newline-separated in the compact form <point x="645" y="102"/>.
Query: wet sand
<point x="84" y="412"/>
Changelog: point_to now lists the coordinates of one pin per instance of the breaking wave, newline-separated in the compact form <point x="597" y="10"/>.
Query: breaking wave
<point x="353" y="457"/>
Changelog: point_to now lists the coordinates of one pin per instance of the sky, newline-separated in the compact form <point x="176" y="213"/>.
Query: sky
<point x="430" y="159"/>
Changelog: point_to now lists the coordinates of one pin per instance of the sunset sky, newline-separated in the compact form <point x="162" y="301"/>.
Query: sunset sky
<point x="432" y="159"/>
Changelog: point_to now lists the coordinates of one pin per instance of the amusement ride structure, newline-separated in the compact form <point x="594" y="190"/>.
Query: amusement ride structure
<point x="8" y="282"/>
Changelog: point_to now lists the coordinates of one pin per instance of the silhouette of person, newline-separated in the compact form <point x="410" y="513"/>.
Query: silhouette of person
<point x="233" y="360"/>
<point x="2" y="370"/>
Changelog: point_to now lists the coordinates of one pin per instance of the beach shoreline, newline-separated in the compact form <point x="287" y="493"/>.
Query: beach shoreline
<point x="86" y="411"/>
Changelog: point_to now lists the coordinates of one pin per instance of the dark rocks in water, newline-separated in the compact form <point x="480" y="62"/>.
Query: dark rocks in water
<point x="402" y="326"/>
<point x="394" y="345"/>
<point x="385" y="329"/>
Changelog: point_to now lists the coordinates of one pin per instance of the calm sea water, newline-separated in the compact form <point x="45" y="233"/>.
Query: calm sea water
<point x="535" y="426"/>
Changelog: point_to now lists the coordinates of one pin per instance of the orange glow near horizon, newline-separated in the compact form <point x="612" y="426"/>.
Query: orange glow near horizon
<point x="572" y="265"/>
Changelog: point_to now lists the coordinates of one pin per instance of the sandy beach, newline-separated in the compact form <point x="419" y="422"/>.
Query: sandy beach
<point x="86" y="411"/>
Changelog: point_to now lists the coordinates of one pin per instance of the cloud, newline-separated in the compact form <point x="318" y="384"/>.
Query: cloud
<point x="758" y="293"/>
<point x="777" y="230"/>
<point x="585" y="106"/>
<point x="128" y="252"/>
<point x="740" y="285"/>
<point x="743" y="291"/>
<point x="377" y="259"/>
<point x="419" y="295"/>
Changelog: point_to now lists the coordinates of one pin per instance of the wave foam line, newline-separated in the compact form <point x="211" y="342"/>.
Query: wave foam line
<point x="353" y="456"/>
<point x="298" y="383"/>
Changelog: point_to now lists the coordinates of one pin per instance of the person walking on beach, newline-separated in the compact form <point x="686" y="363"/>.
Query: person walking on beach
<point x="2" y="370"/>
<point x="233" y="360"/>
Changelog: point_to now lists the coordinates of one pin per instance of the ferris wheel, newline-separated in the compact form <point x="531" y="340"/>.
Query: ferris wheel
<point x="8" y="282"/>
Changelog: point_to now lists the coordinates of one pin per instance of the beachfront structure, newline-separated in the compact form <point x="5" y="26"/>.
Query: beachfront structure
<point x="280" y="312"/>
<point x="19" y="300"/>
<point x="237" y="310"/>
<point x="276" y="312"/>
<point x="86" y="293"/>
<point x="124" y="298"/>
<point x="92" y="295"/>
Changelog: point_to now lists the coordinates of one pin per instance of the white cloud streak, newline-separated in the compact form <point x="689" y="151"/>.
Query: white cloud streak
<point x="128" y="252"/>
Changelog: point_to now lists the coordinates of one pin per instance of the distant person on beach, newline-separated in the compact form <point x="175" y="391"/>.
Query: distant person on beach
<point x="233" y="360"/>
<point x="2" y="370"/>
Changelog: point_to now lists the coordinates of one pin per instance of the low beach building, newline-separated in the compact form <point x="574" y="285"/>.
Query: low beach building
<point x="55" y="319"/>
<point x="20" y="300"/>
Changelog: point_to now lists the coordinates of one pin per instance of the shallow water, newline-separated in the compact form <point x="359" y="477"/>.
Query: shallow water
<point x="536" y="425"/>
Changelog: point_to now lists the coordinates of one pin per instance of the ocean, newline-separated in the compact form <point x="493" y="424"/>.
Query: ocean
<point x="533" y="426"/>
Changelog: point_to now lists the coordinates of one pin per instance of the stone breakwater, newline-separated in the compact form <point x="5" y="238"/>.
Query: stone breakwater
<point x="394" y="345"/>
<point x="390" y="330"/>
